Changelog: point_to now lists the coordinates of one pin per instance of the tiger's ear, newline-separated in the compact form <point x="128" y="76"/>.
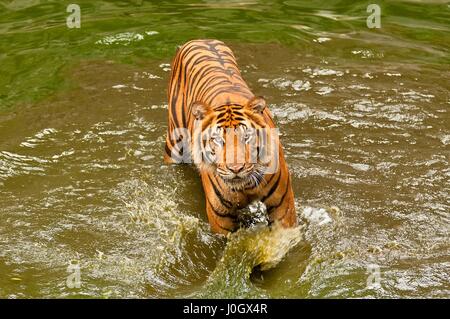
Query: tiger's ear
<point x="258" y="104"/>
<point x="199" y="110"/>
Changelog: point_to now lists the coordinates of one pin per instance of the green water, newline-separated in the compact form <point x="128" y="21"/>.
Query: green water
<point x="364" y="117"/>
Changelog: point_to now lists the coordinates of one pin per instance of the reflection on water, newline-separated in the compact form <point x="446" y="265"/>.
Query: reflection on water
<point x="365" y="130"/>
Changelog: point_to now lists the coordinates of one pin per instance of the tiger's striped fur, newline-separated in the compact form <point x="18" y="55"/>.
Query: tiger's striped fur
<point x="206" y="86"/>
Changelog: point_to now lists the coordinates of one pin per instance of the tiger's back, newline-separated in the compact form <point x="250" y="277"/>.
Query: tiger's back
<point x="205" y="71"/>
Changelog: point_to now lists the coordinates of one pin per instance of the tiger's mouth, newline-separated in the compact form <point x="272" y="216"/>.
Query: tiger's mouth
<point x="247" y="180"/>
<point x="230" y="179"/>
<point x="236" y="183"/>
<point x="234" y="180"/>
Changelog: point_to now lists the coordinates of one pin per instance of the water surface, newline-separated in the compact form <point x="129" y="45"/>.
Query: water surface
<point x="365" y="126"/>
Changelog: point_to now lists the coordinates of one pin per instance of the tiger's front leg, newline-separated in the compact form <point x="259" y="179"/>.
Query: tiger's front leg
<point x="220" y="211"/>
<point x="284" y="213"/>
<point x="280" y="201"/>
<point x="221" y="222"/>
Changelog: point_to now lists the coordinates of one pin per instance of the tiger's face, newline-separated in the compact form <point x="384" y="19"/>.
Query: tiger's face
<point x="234" y="142"/>
<point x="231" y="150"/>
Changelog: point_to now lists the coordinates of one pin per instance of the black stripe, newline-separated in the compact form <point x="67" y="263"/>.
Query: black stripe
<point x="175" y="88"/>
<point x="211" y="84"/>
<point x="229" y="89"/>
<point x="187" y="64"/>
<point x="217" y="223"/>
<point x="223" y="201"/>
<point x="174" y="157"/>
<point x="280" y="218"/>
<point x="202" y="72"/>
<point x="221" y="120"/>
<point x="272" y="208"/>
<point x="174" y="100"/>
<point x="273" y="188"/>
<point x="224" y="228"/>
<point x="168" y="151"/>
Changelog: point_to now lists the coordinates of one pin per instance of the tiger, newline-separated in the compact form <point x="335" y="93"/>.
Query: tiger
<point x="208" y="99"/>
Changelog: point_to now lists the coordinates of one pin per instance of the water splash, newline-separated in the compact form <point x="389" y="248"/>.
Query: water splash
<point x="249" y="248"/>
<point x="168" y="261"/>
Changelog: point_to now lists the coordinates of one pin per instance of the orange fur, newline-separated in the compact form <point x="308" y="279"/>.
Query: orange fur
<point x="206" y="85"/>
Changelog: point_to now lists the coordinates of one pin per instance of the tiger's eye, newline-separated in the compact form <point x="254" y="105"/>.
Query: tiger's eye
<point x="218" y="140"/>
<point x="249" y="134"/>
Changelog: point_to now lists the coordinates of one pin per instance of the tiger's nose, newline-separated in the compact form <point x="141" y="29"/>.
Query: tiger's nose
<point x="235" y="168"/>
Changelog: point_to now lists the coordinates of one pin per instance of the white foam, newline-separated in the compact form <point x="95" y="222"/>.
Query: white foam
<point x="124" y="38"/>
<point x="317" y="216"/>
<point x="322" y="40"/>
<point x="325" y="90"/>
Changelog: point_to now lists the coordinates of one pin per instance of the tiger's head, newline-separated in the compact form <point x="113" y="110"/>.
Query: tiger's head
<point x="233" y="142"/>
